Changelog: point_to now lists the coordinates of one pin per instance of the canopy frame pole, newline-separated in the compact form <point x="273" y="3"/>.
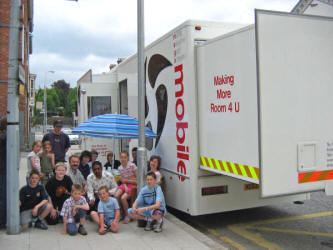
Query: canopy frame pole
<point x="113" y="154"/>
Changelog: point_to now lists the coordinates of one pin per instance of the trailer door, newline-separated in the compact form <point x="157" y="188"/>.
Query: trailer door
<point x="227" y="105"/>
<point x="295" y="102"/>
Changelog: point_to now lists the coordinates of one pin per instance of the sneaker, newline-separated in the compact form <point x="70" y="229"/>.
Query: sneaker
<point x="82" y="230"/>
<point x="40" y="225"/>
<point x="34" y="219"/>
<point x="141" y="223"/>
<point x="60" y="219"/>
<point x="158" y="226"/>
<point x="149" y="225"/>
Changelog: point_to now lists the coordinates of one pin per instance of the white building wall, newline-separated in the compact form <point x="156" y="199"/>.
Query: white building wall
<point x="93" y="85"/>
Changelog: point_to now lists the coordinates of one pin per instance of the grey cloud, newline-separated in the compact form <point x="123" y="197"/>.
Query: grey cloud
<point x="78" y="43"/>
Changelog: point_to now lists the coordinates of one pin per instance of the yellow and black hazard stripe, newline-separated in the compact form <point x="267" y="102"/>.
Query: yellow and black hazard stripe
<point x="315" y="176"/>
<point x="230" y="167"/>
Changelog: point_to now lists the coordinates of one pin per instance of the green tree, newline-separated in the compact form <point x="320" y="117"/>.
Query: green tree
<point x="39" y="95"/>
<point x="38" y="98"/>
<point x="62" y="88"/>
<point x="55" y="98"/>
<point x="52" y="100"/>
<point x="71" y="102"/>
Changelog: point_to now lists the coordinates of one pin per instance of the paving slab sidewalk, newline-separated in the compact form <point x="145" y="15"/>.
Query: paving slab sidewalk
<point x="176" y="235"/>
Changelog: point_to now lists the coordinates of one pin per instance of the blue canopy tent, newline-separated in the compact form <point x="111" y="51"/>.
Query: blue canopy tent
<point x="113" y="126"/>
<point x="117" y="126"/>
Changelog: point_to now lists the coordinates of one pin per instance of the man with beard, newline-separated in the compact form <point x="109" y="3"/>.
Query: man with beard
<point x="97" y="179"/>
<point x="75" y="174"/>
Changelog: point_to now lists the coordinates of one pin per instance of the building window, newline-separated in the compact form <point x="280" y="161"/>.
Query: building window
<point x="98" y="105"/>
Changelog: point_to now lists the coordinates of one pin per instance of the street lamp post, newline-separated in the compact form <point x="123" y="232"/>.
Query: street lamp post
<point x="13" y="154"/>
<point x="83" y="92"/>
<point x="45" y="103"/>
<point x="142" y="154"/>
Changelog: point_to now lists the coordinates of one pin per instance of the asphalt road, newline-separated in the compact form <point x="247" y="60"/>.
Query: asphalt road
<point x="283" y="226"/>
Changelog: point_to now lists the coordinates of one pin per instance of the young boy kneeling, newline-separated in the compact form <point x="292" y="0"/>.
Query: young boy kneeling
<point x="73" y="210"/>
<point x="108" y="212"/>
<point x="149" y="205"/>
<point x="34" y="202"/>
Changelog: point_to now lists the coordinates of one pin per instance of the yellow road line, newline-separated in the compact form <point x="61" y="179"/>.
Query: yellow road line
<point x="241" y="229"/>
<point x="292" y="231"/>
<point x="299" y="217"/>
<point x="227" y="240"/>
<point x="254" y="237"/>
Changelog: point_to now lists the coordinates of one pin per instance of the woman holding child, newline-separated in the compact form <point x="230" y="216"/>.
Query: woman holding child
<point x="46" y="162"/>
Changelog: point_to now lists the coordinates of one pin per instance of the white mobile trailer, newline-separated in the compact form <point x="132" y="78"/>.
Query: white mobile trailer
<point x="277" y="131"/>
<point x="97" y="94"/>
<point x="314" y="7"/>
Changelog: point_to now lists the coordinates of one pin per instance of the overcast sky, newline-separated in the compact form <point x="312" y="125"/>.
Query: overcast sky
<point x="72" y="37"/>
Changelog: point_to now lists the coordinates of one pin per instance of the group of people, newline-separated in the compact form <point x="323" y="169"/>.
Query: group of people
<point x="57" y="193"/>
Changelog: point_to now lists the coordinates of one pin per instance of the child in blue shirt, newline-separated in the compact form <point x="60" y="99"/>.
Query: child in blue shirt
<point x="108" y="211"/>
<point x="149" y="205"/>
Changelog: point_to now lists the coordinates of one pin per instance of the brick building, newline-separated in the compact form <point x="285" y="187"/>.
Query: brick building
<point x="26" y="18"/>
<point x="32" y="94"/>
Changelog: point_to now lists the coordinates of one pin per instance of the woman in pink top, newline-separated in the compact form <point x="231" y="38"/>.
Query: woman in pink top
<point x="155" y="165"/>
<point x="128" y="179"/>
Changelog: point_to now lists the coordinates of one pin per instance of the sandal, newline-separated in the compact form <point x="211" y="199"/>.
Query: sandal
<point x="126" y="220"/>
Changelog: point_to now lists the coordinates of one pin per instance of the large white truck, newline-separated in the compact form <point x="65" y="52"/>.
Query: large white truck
<point x="243" y="113"/>
<point x="314" y="7"/>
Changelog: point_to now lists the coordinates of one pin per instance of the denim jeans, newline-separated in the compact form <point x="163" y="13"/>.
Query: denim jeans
<point x="71" y="226"/>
